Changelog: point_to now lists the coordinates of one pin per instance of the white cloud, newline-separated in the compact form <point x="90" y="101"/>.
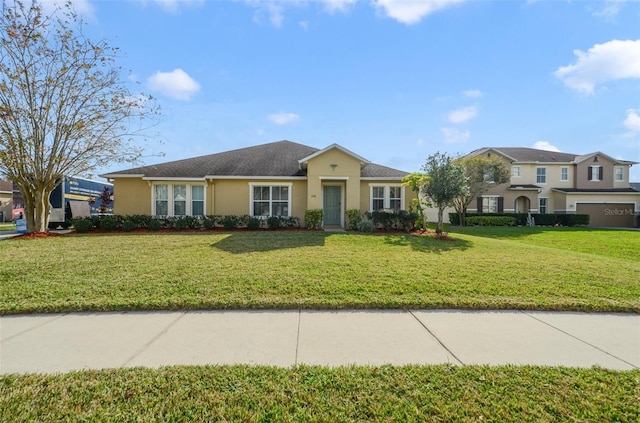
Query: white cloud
<point x="338" y="5"/>
<point x="545" y="145"/>
<point x="611" y="9"/>
<point x="283" y="118"/>
<point x="273" y="11"/>
<point x="473" y="93"/>
<point x="454" y="136"/>
<point x="462" y="115"/>
<point x="610" y="61"/>
<point x="82" y="7"/>
<point x="173" y="6"/>
<point x="410" y="12"/>
<point x="632" y="122"/>
<point x="176" y="84"/>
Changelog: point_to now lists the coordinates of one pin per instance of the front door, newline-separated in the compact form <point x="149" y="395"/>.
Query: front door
<point x="331" y="202"/>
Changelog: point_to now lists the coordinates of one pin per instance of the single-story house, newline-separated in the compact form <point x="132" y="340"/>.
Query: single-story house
<point x="282" y="178"/>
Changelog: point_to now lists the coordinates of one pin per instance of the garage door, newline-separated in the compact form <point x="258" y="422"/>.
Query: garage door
<point x="608" y="215"/>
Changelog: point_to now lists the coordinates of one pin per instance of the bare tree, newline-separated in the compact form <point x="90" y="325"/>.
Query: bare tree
<point x="64" y="108"/>
<point x="482" y="173"/>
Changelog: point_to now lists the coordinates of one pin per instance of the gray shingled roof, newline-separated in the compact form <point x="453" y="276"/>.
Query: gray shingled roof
<point x="273" y="159"/>
<point x="521" y="154"/>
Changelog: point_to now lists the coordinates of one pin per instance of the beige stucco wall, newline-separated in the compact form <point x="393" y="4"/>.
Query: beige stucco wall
<point x="131" y="196"/>
<point x="582" y="173"/>
<point x="567" y="202"/>
<point x="345" y="173"/>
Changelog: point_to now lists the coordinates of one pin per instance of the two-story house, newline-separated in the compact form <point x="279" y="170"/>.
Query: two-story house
<point x="552" y="182"/>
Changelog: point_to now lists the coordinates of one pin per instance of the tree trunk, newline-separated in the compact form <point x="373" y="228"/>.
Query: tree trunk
<point x="41" y="210"/>
<point x="463" y="217"/>
<point x="440" y="222"/>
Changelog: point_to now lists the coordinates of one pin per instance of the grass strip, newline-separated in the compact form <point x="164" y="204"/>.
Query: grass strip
<point x="318" y="394"/>
<point x="315" y="270"/>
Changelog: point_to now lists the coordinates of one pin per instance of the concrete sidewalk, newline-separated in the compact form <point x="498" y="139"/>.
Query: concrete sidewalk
<point x="51" y="343"/>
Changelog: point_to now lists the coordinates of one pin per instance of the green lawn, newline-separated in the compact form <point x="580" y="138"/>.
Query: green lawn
<point x="7" y="226"/>
<point x="515" y="268"/>
<point x="316" y="394"/>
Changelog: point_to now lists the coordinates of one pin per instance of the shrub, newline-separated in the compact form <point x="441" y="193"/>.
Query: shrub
<point x="491" y="221"/>
<point x="253" y="224"/>
<point x="230" y="222"/>
<point x="129" y="225"/>
<point x="354" y="217"/>
<point x="366" y="225"/>
<point x="108" y="223"/>
<point x="208" y="222"/>
<point x="181" y="223"/>
<point x="273" y="222"/>
<point x="289" y="222"/>
<point x="140" y="220"/>
<point x="82" y="224"/>
<point x="313" y="218"/>
<point x="155" y="224"/>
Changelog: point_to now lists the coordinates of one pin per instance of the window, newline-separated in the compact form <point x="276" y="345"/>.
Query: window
<point x="564" y="173"/>
<point x="595" y="173"/>
<point x="515" y="171"/>
<point x="161" y="194"/>
<point x="197" y="200"/>
<point x="178" y="200"/>
<point x="270" y="200"/>
<point x="490" y="205"/>
<point x="541" y="175"/>
<point x="387" y="197"/>
<point x="542" y="205"/>
<point x="377" y="198"/>
<point x="619" y="174"/>
<point x="395" y="198"/>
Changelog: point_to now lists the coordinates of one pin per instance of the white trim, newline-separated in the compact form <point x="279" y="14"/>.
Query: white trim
<point x="342" y="201"/>
<point x="382" y="179"/>
<point x="561" y="169"/>
<point x="519" y="175"/>
<point x="387" y="195"/>
<point x="174" y="179"/>
<point x="259" y="178"/>
<point x="333" y="178"/>
<point x="615" y="173"/>
<point x="332" y="146"/>
<point x="114" y="175"/>
<point x="546" y="176"/>
<point x="170" y="199"/>
<point x="270" y="185"/>
<point x="560" y="190"/>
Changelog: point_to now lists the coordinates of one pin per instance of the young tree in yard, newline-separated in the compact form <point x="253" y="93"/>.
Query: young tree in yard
<point x="445" y="182"/>
<point x="482" y="173"/>
<point x="63" y="106"/>
<point x="415" y="181"/>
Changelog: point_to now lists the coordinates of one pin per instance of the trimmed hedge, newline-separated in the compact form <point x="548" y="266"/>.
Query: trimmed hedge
<point x="547" y="219"/>
<point x="180" y="223"/>
<point x="491" y="221"/>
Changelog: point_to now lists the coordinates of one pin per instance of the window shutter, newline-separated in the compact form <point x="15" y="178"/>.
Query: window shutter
<point x="479" y="204"/>
<point x="590" y="176"/>
<point x="599" y="173"/>
<point x="500" y="204"/>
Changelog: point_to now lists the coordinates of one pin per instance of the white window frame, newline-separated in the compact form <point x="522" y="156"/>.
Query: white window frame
<point x="170" y="199"/>
<point x="387" y="195"/>
<point x="543" y="175"/>
<point x="541" y="206"/>
<point x="564" y="174"/>
<point x="618" y="174"/>
<point x="515" y="172"/>
<point x="595" y="173"/>
<point x="271" y="185"/>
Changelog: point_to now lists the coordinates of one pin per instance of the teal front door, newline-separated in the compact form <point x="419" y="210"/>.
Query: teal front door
<point x="331" y="201"/>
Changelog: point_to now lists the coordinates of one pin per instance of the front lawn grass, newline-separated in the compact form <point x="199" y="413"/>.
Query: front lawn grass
<point x="550" y="270"/>
<point x="309" y="394"/>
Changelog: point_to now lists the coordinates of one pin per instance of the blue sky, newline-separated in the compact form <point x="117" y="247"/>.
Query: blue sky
<point x="393" y="81"/>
